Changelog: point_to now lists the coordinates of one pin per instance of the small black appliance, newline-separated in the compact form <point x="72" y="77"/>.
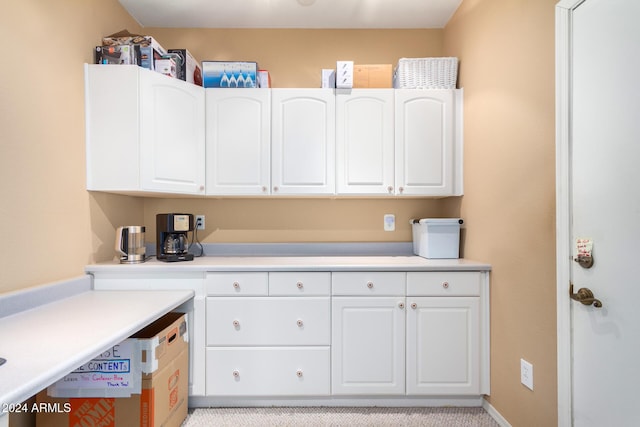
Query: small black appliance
<point x="172" y="242"/>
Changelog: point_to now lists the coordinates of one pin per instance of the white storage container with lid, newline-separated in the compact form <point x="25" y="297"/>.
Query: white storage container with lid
<point x="436" y="237"/>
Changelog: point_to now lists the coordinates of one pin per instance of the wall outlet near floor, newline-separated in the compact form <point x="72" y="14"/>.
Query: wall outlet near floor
<point x="526" y="374"/>
<point x="389" y="222"/>
<point x="199" y="222"/>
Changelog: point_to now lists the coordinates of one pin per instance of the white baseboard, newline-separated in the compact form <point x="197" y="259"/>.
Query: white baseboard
<point x="495" y="414"/>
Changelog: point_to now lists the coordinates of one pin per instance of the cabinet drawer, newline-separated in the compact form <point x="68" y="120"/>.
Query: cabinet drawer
<point x="268" y="371"/>
<point x="299" y="284"/>
<point x="447" y="283"/>
<point x="237" y="283"/>
<point x="368" y="283"/>
<point x="255" y="321"/>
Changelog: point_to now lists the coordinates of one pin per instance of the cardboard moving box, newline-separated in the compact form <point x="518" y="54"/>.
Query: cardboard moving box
<point x="165" y="387"/>
<point x="372" y="76"/>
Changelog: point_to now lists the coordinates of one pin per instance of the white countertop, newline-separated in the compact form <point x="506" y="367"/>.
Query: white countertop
<point x="44" y="343"/>
<point x="293" y="263"/>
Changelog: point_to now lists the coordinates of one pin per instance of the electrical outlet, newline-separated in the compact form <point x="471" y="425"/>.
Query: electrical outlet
<point x="199" y="222"/>
<point x="526" y="374"/>
<point x="389" y="222"/>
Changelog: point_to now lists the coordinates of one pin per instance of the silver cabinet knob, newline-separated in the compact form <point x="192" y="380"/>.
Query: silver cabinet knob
<point x="300" y="323"/>
<point x="401" y="189"/>
<point x="236" y="323"/>
<point x="275" y="188"/>
<point x="236" y="285"/>
<point x="236" y="373"/>
<point x="264" y="188"/>
<point x="390" y="189"/>
<point x="202" y="188"/>
<point x="299" y="373"/>
<point x="401" y="305"/>
<point x="445" y="285"/>
<point x="414" y="305"/>
<point x="370" y="285"/>
<point x="300" y="285"/>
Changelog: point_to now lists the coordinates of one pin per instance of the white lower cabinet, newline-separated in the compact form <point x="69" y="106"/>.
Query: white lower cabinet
<point x="443" y="345"/>
<point x="367" y="348"/>
<point x="347" y="334"/>
<point x="418" y="345"/>
<point x="327" y="336"/>
<point x="270" y="338"/>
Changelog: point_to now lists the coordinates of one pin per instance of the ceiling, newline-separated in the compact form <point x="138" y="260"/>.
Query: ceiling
<point x="355" y="14"/>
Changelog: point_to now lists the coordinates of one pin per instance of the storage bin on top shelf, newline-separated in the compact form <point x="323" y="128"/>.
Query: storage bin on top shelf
<point x="426" y="73"/>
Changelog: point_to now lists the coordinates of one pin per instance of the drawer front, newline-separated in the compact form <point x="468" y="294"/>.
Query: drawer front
<point x="300" y="284"/>
<point x="268" y="371"/>
<point x="373" y="283"/>
<point x="256" y="321"/>
<point x="237" y="283"/>
<point x="445" y="283"/>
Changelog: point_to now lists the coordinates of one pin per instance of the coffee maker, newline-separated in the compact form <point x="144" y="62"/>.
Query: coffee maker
<point x="172" y="243"/>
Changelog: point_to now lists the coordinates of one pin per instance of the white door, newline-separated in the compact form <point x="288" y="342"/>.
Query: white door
<point x="303" y="141"/>
<point x="238" y="129"/>
<point x="367" y="345"/>
<point x="598" y="198"/>
<point x="172" y="140"/>
<point x="364" y="141"/>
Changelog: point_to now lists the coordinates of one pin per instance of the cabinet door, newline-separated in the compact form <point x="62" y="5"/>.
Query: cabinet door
<point x="443" y="345"/>
<point x="364" y="142"/>
<point x="172" y="140"/>
<point x="303" y="141"/>
<point x="425" y="132"/>
<point x="238" y="130"/>
<point x="367" y="345"/>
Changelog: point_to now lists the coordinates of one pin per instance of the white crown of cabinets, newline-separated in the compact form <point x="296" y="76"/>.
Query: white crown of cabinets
<point x="147" y="133"/>
<point x="144" y="131"/>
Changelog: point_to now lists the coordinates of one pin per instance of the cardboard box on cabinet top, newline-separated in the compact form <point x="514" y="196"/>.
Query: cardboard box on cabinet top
<point x="165" y="382"/>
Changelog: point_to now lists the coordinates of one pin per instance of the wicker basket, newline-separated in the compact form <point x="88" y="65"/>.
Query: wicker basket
<point x="426" y="73"/>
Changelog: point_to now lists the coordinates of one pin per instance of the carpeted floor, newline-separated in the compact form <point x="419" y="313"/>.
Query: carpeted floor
<point x="307" y="417"/>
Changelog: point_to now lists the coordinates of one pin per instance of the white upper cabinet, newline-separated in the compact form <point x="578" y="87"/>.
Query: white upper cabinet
<point x="144" y="131"/>
<point x="238" y="134"/>
<point x="365" y="141"/>
<point x="302" y="141"/>
<point x="428" y="142"/>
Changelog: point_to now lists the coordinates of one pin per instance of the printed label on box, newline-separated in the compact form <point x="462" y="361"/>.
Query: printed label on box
<point x="115" y="373"/>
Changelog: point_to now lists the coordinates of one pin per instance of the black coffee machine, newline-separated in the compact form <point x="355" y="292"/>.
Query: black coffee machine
<point x="172" y="242"/>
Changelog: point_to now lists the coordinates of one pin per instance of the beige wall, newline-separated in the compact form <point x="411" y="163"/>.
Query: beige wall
<point x="507" y="70"/>
<point x="52" y="227"/>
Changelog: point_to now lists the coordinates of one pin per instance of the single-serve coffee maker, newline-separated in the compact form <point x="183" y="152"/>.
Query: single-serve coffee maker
<point x="172" y="239"/>
<point x="130" y="244"/>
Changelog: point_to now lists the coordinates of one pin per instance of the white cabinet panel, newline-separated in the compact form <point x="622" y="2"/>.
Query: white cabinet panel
<point x="300" y="283"/>
<point x="367" y="347"/>
<point x="237" y="283"/>
<point x="443" y="345"/>
<point x="368" y="283"/>
<point x="268" y="371"/>
<point x="445" y="283"/>
<point x="238" y="134"/>
<point x="365" y="141"/>
<point x="268" y="321"/>
<point x="303" y="141"/>
<point x="144" y="131"/>
<point x="427" y="142"/>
